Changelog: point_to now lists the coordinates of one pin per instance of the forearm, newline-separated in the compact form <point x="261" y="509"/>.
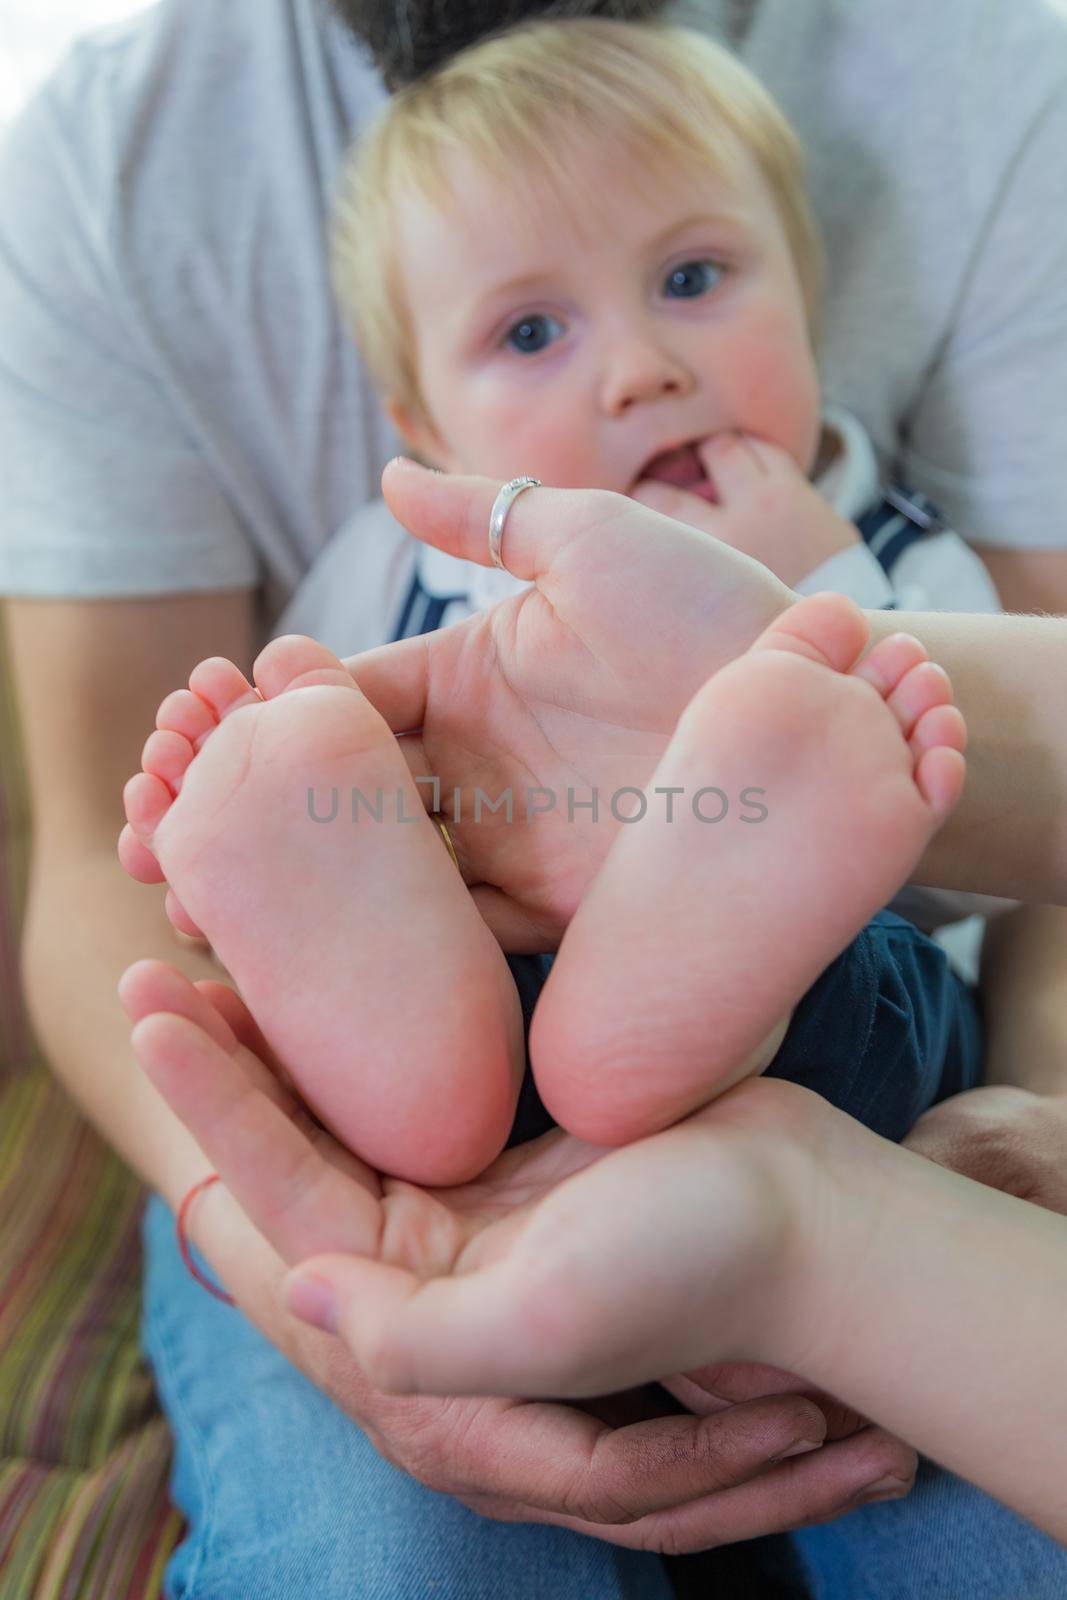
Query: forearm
<point x="1008" y="836"/>
<point x="73" y="957"/>
<point x="85" y="925"/>
<point x="1024" y="996"/>
<point x="936" y="1307"/>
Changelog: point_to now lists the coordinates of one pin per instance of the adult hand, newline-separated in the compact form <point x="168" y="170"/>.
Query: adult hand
<point x="1002" y="1136"/>
<point x="672" y="1484"/>
<point x="723" y="1383"/>
<point x="573" y="686"/>
<point x="707" y="1390"/>
<point x="766" y="507"/>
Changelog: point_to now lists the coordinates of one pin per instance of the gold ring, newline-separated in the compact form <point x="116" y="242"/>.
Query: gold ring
<point x="448" y="839"/>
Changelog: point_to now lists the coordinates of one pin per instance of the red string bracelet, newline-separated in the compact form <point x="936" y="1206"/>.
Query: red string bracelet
<point x="183" y="1243"/>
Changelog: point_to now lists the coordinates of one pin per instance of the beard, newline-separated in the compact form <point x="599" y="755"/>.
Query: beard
<point x="408" y="38"/>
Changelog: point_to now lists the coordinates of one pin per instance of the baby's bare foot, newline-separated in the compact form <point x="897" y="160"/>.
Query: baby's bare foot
<point x="697" y="937"/>
<point x="291" y="832"/>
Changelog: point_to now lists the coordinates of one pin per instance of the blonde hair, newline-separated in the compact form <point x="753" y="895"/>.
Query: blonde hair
<point x="664" y="95"/>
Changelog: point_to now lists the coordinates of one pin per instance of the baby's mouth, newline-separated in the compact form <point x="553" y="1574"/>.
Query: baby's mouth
<point x="682" y="468"/>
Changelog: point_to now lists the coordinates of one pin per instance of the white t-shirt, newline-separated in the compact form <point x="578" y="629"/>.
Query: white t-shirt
<point x="181" y="410"/>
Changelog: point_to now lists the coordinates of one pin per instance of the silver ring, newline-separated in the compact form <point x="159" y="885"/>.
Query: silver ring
<point x="498" y="516"/>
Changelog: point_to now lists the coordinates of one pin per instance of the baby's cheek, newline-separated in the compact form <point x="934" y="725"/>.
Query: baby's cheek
<point x="777" y="397"/>
<point x="536" y="438"/>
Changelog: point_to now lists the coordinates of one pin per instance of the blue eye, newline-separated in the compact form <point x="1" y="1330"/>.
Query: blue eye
<point x="692" y="278"/>
<point x="533" y="334"/>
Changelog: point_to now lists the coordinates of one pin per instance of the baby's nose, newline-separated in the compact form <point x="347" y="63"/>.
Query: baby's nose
<point x="644" y="370"/>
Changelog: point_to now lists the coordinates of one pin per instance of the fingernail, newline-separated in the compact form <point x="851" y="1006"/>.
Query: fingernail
<point x="313" y="1300"/>
<point x="801" y="1448"/>
<point x="887" y="1488"/>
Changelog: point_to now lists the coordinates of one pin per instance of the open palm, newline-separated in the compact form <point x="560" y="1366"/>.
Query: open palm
<point x="572" y="687"/>
<point x="541" y="1247"/>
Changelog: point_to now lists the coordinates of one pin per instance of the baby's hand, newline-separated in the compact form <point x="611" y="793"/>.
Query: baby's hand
<point x="765" y="507"/>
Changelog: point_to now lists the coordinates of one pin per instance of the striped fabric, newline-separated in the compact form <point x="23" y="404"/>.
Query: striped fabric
<point x="16" y="1045"/>
<point x="84" y="1450"/>
<point x="900" y="519"/>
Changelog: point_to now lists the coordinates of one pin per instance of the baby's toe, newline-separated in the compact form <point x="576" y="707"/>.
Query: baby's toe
<point x="137" y="859"/>
<point x="166" y="755"/>
<point x="296" y="662"/>
<point x="889" y="660"/>
<point x="920" y="690"/>
<point x="188" y="714"/>
<point x="180" y="917"/>
<point x="222" y="685"/>
<point x="827" y="628"/>
<point x="939" y="778"/>
<point x="147" y="800"/>
<point x="942" y="726"/>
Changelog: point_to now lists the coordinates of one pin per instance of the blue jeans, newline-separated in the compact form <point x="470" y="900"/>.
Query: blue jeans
<point x="946" y="1541"/>
<point x="286" y="1498"/>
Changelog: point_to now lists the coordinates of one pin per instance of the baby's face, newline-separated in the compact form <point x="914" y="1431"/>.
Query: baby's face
<point x="585" y="354"/>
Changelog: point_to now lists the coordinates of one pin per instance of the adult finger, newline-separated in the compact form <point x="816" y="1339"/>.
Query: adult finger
<point x="259" y="1058"/>
<point x="518" y="932"/>
<point x="815" y="1486"/>
<point x="288" y="1190"/>
<point x="150" y="986"/>
<point x="395" y="679"/>
<point x="725" y="1383"/>
<point x="228" y="1004"/>
<point x="452" y="511"/>
<point x="567" y="1463"/>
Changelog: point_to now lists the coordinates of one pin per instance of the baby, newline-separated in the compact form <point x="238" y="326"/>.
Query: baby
<point x="580" y="251"/>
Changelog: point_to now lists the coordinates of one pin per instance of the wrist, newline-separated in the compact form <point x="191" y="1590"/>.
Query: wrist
<point x="793" y="1189"/>
<point x="832" y="1175"/>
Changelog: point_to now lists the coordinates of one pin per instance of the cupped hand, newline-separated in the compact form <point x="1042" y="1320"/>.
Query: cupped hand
<point x="672" y="1483"/>
<point x="709" y="1389"/>
<point x="571" y="687"/>
<point x="765" y="507"/>
<point x="1002" y="1136"/>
